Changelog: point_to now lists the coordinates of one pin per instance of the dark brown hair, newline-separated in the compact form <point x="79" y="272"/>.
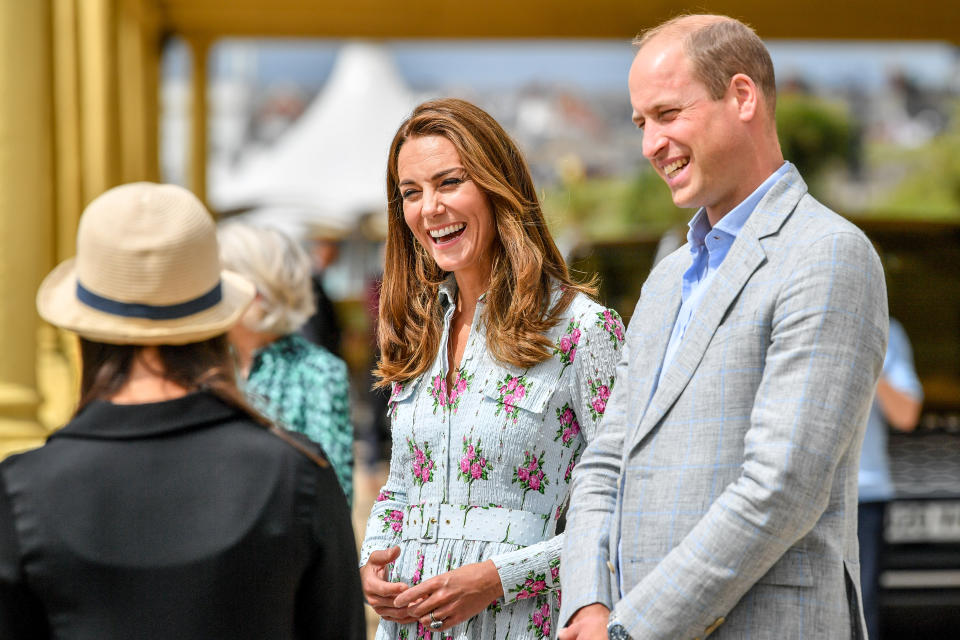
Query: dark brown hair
<point x="202" y="365"/>
<point x="526" y="264"/>
<point x="198" y="366"/>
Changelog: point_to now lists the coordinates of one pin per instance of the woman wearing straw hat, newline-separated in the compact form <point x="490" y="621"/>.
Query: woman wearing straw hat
<point x="167" y="508"/>
<point x="500" y="365"/>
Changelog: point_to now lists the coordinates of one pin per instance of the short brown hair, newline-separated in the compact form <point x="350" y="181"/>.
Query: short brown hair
<point x="526" y="268"/>
<point x="719" y="47"/>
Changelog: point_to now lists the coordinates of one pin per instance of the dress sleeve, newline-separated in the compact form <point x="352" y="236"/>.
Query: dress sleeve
<point x="385" y="523"/>
<point x="533" y="569"/>
<point x="21" y="613"/>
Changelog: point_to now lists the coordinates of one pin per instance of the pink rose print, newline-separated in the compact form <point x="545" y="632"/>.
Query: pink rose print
<point x="530" y="475"/>
<point x="442" y="397"/>
<point x="569" y="427"/>
<point x="385" y="495"/>
<point x="404" y="635"/>
<point x="392" y="521"/>
<point x="511" y="389"/>
<point x="566" y="346"/>
<point x="612" y="323"/>
<point x="422" y="462"/>
<point x="573" y="462"/>
<point x="599" y="393"/>
<point x="423" y="633"/>
<point x="531" y="587"/>
<point x="473" y="465"/>
<point x="418" y="574"/>
<point x="395" y="390"/>
<point x="555" y="570"/>
<point x="540" y="621"/>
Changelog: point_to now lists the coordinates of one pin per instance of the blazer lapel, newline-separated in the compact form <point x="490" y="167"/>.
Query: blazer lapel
<point x="745" y="256"/>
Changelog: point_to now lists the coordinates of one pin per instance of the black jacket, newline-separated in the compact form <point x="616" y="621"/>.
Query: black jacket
<point x="181" y="519"/>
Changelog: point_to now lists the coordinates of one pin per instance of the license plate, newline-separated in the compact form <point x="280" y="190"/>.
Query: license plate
<point x="923" y="521"/>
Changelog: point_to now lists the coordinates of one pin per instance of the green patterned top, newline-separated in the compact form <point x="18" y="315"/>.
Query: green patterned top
<point x="304" y="387"/>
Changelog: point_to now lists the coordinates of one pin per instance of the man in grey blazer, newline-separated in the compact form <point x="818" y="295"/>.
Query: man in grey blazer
<point x="721" y="494"/>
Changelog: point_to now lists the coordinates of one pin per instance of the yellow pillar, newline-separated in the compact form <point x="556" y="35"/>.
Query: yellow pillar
<point x="99" y="111"/>
<point x="25" y="211"/>
<point x="138" y="67"/>
<point x="200" y="49"/>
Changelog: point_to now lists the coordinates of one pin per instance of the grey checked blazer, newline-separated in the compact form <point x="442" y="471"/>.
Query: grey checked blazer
<point x="737" y="477"/>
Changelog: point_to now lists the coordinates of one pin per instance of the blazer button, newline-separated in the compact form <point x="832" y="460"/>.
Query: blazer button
<point x="610" y="566"/>
<point x="716" y="623"/>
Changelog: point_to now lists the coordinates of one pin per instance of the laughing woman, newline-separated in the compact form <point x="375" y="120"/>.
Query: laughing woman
<point x="500" y="365"/>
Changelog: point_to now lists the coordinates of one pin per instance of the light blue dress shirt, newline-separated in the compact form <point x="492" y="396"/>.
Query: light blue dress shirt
<point x="708" y="247"/>
<point x="874" y="478"/>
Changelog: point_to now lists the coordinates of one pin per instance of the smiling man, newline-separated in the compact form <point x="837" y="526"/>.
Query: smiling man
<point x="721" y="494"/>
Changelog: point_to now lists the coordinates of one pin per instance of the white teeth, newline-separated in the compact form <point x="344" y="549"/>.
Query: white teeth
<point x="453" y="228"/>
<point x="676" y="165"/>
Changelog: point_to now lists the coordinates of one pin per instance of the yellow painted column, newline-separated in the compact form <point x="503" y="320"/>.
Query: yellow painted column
<point x="200" y="49"/>
<point x="99" y="108"/>
<point x="26" y="182"/>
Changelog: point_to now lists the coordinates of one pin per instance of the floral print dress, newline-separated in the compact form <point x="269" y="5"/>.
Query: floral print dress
<point x="481" y="470"/>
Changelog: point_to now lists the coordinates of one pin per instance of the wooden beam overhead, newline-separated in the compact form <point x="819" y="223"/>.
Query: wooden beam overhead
<point x="617" y="19"/>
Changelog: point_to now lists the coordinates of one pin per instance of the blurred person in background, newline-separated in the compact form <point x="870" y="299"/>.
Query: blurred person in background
<point x="500" y="364"/>
<point x="301" y="385"/>
<point x="897" y="404"/>
<point x="167" y="507"/>
<point x="323" y="326"/>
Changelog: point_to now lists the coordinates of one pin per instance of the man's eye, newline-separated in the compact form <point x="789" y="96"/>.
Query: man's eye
<point x="669" y="114"/>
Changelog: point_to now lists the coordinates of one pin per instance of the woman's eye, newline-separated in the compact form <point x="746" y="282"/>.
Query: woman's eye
<point x="408" y="193"/>
<point x="450" y="182"/>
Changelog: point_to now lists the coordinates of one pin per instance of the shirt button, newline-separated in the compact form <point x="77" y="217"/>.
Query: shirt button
<point x="610" y="566"/>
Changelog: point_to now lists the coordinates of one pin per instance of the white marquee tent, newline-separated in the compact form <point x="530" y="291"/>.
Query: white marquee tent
<point x="330" y="164"/>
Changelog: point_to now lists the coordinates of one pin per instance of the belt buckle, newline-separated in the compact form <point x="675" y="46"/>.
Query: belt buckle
<point x="429" y="521"/>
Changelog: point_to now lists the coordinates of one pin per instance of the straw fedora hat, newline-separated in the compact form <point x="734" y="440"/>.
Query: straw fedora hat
<point x="147" y="271"/>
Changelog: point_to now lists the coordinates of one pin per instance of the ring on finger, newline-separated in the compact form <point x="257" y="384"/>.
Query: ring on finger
<point x="434" y="623"/>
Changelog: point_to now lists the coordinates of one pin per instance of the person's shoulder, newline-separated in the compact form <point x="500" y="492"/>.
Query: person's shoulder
<point x="812" y="221"/>
<point x="313" y="357"/>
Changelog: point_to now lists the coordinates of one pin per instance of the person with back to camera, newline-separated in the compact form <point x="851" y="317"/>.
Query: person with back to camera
<point x="720" y="495"/>
<point x="167" y="507"/>
<point x="500" y="366"/>
<point x="300" y="384"/>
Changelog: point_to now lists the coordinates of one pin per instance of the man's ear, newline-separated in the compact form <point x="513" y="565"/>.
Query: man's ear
<point x="744" y="90"/>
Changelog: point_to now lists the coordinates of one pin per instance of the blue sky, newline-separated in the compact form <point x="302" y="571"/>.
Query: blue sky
<point x="590" y="65"/>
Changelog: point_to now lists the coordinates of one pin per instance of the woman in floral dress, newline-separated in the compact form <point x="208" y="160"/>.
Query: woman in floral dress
<point x="500" y="366"/>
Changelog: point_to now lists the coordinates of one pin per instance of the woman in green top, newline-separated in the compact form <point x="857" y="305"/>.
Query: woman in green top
<point x="299" y="384"/>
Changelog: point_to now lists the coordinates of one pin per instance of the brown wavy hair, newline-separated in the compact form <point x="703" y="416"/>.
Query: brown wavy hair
<point x="526" y="264"/>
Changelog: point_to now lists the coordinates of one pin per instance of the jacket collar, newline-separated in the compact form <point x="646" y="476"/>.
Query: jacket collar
<point x="105" y="420"/>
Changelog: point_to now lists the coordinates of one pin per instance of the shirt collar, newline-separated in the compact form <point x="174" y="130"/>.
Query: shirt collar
<point x="106" y="420"/>
<point x="732" y="222"/>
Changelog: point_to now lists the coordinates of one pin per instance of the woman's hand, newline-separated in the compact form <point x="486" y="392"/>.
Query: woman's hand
<point x="379" y="593"/>
<point x="454" y="596"/>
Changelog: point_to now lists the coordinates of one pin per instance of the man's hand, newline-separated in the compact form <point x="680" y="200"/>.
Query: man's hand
<point x="588" y="623"/>
<point x="380" y="593"/>
<point x="454" y="596"/>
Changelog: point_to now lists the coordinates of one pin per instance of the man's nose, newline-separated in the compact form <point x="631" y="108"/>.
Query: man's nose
<point x="653" y="141"/>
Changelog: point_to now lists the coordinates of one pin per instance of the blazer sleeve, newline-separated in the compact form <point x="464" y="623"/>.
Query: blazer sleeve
<point x="827" y="341"/>
<point x="600" y="340"/>
<point x="329" y="596"/>
<point x="21" y="613"/>
<point x="584" y="572"/>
